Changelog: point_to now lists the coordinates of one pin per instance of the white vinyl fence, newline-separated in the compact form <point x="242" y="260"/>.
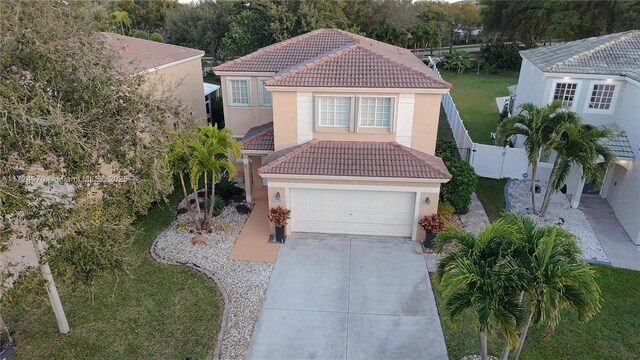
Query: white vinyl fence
<point x="490" y="161"/>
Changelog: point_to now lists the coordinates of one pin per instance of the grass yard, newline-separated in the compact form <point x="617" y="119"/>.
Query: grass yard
<point x="491" y="194"/>
<point x="156" y="312"/>
<point x="612" y="334"/>
<point x="474" y="95"/>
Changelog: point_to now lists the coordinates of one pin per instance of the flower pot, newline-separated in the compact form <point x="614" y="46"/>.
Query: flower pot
<point x="280" y="236"/>
<point x="428" y="239"/>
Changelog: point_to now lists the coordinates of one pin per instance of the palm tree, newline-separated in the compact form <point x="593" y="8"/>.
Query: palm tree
<point x="178" y="160"/>
<point x="578" y="144"/>
<point x="536" y="125"/>
<point x="557" y="279"/>
<point x="121" y="18"/>
<point x="480" y="275"/>
<point x="210" y="160"/>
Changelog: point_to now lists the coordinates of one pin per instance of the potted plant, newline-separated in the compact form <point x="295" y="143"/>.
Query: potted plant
<point x="279" y="216"/>
<point x="431" y="224"/>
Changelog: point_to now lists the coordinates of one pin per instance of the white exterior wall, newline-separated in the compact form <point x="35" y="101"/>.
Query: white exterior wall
<point x="622" y="185"/>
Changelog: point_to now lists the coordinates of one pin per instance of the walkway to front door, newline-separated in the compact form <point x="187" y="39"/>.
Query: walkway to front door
<point x="348" y="297"/>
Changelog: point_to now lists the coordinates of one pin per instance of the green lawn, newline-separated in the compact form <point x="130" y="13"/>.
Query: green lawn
<point x="474" y="95"/>
<point x="491" y="194"/>
<point x="156" y="312"/>
<point x="612" y="334"/>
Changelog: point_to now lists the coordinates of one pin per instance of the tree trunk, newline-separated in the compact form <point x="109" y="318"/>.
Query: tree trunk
<point x="52" y="291"/>
<point x="205" y="224"/>
<point x="505" y="353"/>
<point x="213" y="197"/>
<point x="186" y="200"/>
<point x="523" y="336"/>
<point x="550" y="190"/>
<point x="534" y="170"/>
<point x="483" y="346"/>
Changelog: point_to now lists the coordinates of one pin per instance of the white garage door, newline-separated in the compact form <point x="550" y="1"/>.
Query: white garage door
<point x="382" y="213"/>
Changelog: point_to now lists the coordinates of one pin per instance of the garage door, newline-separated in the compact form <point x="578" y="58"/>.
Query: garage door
<point x="383" y="213"/>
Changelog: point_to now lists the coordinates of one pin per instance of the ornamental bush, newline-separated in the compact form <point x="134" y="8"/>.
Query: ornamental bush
<point x="458" y="190"/>
<point x="501" y="56"/>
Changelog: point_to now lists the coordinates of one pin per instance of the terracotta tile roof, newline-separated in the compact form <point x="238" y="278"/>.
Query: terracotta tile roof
<point x="355" y="158"/>
<point x="336" y="58"/>
<point x="259" y="138"/>
<point x="358" y="67"/>
<point x="138" y="54"/>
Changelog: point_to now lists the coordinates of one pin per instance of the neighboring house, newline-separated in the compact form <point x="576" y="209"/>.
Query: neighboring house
<point x="169" y="68"/>
<point x="599" y="78"/>
<point x="341" y="129"/>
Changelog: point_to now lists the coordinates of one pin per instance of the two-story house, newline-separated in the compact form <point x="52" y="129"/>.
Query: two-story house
<point x="339" y="128"/>
<point x="599" y="78"/>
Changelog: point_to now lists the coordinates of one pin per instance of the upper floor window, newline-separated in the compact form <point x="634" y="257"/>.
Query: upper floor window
<point x="265" y="95"/>
<point x="565" y="93"/>
<point x="239" y="94"/>
<point x="601" y="96"/>
<point x="375" y="112"/>
<point x="335" y="111"/>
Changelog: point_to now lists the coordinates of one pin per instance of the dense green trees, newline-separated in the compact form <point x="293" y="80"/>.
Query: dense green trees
<point x="537" y="21"/>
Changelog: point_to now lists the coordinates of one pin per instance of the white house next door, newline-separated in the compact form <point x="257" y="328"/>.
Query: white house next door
<point x="381" y="213"/>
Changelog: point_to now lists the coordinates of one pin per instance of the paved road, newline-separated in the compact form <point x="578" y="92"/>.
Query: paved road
<point x="340" y="297"/>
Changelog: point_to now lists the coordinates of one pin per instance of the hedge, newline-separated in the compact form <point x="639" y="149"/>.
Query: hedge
<point x="458" y="190"/>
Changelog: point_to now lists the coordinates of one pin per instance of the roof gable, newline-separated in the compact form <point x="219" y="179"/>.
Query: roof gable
<point x="139" y="54"/>
<point x="613" y="54"/>
<point x="336" y="58"/>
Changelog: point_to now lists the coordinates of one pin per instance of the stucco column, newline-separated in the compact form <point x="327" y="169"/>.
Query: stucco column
<point x="247" y="177"/>
<point x="575" y="200"/>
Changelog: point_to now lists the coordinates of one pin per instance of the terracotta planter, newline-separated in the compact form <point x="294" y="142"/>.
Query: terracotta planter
<point x="280" y="236"/>
<point x="428" y="239"/>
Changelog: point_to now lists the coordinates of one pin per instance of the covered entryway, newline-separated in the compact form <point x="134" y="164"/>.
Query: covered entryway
<point x="382" y="213"/>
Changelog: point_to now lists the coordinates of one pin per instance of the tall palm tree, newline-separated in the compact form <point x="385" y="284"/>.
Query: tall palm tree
<point x="210" y="160"/>
<point x="578" y="144"/>
<point x="556" y="278"/>
<point x="481" y="276"/>
<point x="178" y="160"/>
<point x="536" y="125"/>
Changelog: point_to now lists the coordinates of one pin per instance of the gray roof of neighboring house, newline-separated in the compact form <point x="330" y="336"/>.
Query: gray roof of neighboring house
<point x="259" y="138"/>
<point x="619" y="144"/>
<point x="613" y="54"/>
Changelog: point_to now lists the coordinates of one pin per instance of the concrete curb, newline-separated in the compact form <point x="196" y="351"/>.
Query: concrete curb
<point x="223" y="320"/>
<point x="506" y="195"/>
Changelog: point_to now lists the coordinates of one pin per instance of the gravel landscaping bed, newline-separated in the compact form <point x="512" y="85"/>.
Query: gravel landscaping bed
<point x="559" y="213"/>
<point x="244" y="282"/>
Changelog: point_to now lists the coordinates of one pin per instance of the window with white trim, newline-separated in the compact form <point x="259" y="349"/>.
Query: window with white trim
<point x="239" y="92"/>
<point x="375" y="112"/>
<point x="565" y="93"/>
<point x="265" y="95"/>
<point x="601" y="96"/>
<point x="335" y="111"/>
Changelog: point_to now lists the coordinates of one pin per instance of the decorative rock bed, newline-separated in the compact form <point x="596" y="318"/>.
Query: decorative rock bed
<point x="243" y="283"/>
<point x="559" y="213"/>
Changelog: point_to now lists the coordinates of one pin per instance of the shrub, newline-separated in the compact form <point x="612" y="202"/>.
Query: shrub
<point x="229" y="190"/>
<point x="279" y="216"/>
<point x="432" y="223"/>
<point x="139" y="34"/>
<point x="445" y="209"/>
<point x="458" y="190"/>
<point x="501" y="56"/>
<point x="156" y="37"/>
<point x="457" y="61"/>
<point x="218" y="205"/>
<point x="446" y="147"/>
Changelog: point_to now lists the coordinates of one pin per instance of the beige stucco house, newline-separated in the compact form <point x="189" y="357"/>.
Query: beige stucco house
<point x="339" y="128"/>
<point x="167" y="67"/>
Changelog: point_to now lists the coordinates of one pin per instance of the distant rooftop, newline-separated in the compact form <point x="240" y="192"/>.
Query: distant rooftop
<point x="613" y="54"/>
<point x="138" y="55"/>
<point x="337" y="58"/>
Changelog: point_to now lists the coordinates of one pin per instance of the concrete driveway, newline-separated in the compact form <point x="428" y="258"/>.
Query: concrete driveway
<point x="342" y="297"/>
